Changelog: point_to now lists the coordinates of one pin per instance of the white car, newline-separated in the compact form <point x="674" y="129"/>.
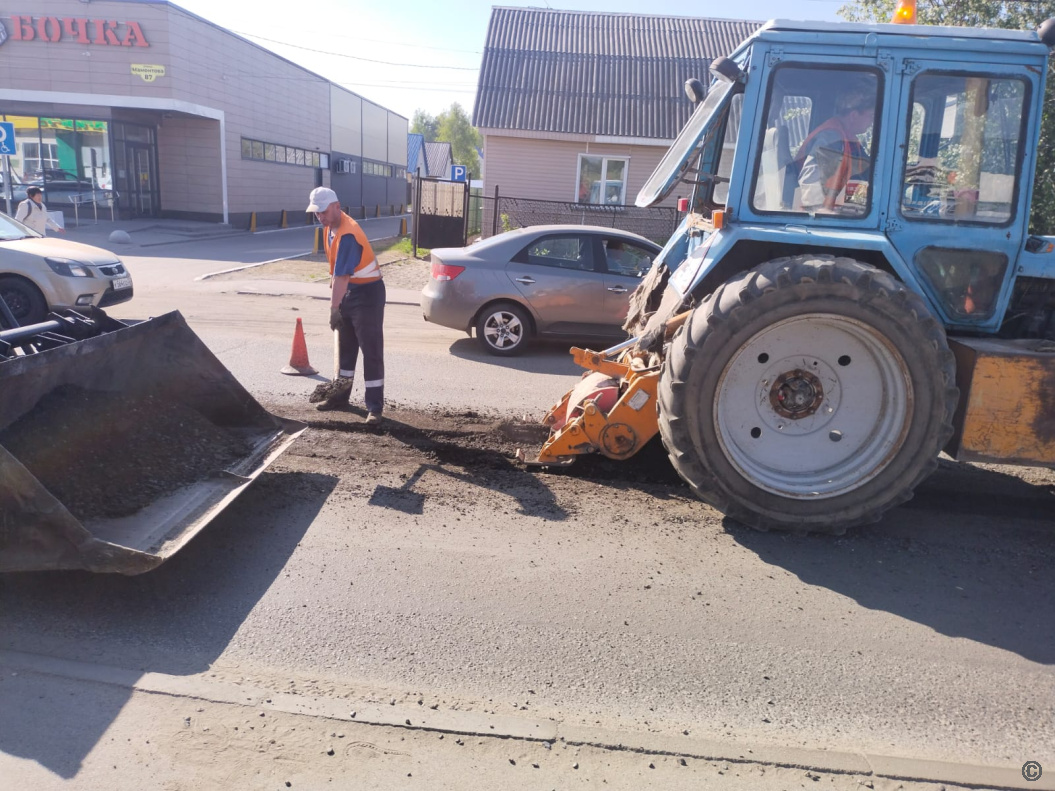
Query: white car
<point x="39" y="275"/>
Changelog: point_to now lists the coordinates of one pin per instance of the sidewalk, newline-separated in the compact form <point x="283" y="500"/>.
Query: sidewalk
<point x="146" y="232"/>
<point x="151" y="232"/>
<point x="291" y="288"/>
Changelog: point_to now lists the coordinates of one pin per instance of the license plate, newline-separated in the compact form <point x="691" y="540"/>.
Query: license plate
<point x="122" y="282"/>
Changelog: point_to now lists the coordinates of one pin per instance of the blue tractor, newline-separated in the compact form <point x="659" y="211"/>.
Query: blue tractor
<point x="853" y="289"/>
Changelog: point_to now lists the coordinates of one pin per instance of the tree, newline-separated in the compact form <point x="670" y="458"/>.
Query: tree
<point x="423" y="124"/>
<point x="453" y="126"/>
<point x="1014" y="15"/>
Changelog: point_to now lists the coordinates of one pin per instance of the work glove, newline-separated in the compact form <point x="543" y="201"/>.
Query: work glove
<point x="336" y="322"/>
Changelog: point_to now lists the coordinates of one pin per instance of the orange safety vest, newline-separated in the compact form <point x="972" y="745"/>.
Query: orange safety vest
<point x="368" y="271"/>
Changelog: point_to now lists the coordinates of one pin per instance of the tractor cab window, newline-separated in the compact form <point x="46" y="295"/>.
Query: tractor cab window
<point x="817" y="154"/>
<point x="725" y="160"/>
<point x="963" y="148"/>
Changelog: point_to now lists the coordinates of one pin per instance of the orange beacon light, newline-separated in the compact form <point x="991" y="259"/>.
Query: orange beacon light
<point x="905" y="13"/>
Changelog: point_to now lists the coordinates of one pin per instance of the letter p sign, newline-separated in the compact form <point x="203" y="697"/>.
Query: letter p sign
<point x="457" y="172"/>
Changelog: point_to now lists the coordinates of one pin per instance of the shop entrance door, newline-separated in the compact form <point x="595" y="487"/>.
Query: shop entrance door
<point x="143" y="181"/>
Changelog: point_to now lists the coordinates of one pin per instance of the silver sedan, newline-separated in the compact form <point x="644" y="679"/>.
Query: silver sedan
<point x="555" y="281"/>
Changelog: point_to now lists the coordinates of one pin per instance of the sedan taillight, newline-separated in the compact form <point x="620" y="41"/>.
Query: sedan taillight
<point x="445" y="271"/>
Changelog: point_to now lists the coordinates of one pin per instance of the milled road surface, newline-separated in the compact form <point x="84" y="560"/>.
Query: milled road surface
<point x="420" y="561"/>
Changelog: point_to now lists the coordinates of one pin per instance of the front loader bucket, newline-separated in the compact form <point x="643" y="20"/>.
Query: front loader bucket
<point x="118" y="449"/>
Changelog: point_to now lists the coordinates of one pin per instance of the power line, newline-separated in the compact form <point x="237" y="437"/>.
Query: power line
<point x="356" y="57"/>
<point x="408" y="88"/>
<point x="422" y="46"/>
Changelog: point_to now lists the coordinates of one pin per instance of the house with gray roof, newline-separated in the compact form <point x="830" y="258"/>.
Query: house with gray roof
<point x="438" y="159"/>
<point x="581" y="106"/>
<point x="416" y="164"/>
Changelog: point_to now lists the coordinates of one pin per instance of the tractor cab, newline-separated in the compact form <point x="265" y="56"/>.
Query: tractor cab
<point x="913" y="147"/>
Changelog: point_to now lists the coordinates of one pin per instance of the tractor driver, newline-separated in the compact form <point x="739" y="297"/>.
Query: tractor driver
<point x="832" y="157"/>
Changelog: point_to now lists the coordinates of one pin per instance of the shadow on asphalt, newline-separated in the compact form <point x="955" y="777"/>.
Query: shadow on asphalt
<point x="177" y="619"/>
<point x="970" y="556"/>
<point x="542" y="357"/>
<point x="464" y="465"/>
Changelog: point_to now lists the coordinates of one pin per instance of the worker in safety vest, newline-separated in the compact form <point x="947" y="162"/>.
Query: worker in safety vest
<point x="357" y="308"/>
<point x="832" y="156"/>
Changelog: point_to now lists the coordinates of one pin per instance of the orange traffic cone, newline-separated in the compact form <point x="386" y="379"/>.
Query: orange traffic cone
<point x="298" y="359"/>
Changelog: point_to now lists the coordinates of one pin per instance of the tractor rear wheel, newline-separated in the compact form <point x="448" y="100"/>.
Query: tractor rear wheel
<point x="809" y="394"/>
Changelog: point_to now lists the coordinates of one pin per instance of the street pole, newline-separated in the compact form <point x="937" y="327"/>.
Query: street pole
<point x="7" y="183"/>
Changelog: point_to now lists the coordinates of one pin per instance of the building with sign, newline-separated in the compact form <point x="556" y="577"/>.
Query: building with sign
<point x="148" y="106"/>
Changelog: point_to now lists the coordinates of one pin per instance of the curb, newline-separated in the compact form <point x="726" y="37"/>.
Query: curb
<point x="529" y="728"/>
<point x="208" y="275"/>
<point x="201" y="238"/>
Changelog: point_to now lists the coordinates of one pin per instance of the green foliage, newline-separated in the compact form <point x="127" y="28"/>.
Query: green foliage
<point x="1015" y="15"/>
<point x="454" y="126"/>
<point x="423" y="124"/>
<point x="451" y="126"/>
<point x="401" y="244"/>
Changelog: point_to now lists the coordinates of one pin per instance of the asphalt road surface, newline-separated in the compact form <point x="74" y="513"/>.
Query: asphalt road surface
<point x="421" y="563"/>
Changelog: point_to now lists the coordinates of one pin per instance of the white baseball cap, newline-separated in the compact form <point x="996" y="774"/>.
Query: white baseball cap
<point x="320" y="198"/>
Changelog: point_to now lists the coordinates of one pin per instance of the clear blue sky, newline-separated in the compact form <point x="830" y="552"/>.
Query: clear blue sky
<point x="411" y="54"/>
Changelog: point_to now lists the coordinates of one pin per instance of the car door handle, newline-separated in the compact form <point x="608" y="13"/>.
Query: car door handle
<point x="617" y="289"/>
<point x="527" y="281"/>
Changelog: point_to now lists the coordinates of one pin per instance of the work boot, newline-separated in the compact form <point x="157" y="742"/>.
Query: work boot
<point x="332" y="395"/>
<point x="374" y="418"/>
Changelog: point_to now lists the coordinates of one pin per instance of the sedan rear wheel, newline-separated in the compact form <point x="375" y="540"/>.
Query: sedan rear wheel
<point x="24" y="299"/>
<point x="504" y="329"/>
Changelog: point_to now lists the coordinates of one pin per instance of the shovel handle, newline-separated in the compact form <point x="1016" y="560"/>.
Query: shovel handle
<point x="336" y="353"/>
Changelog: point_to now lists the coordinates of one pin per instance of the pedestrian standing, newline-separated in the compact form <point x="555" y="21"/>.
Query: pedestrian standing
<point x="34" y="213"/>
<point x="357" y="308"/>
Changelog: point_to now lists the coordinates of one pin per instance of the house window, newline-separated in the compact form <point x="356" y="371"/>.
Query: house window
<point x="602" y="180"/>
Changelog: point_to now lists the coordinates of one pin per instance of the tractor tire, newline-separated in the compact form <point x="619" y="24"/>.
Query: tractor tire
<point x="810" y="394"/>
<point x="504" y="329"/>
<point x="24" y="299"/>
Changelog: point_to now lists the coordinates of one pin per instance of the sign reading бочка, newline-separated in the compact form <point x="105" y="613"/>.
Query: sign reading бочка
<point x="77" y="30"/>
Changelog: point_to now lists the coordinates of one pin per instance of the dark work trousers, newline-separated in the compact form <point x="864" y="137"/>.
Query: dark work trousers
<point x="363" y="314"/>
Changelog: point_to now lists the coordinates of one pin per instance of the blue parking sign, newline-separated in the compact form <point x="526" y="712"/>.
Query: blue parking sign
<point x="7" y="139"/>
<point x="457" y="172"/>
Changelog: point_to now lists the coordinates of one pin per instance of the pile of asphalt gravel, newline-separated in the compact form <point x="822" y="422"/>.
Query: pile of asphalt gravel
<point x="110" y="454"/>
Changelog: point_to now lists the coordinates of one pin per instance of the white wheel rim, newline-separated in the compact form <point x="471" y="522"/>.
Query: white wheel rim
<point x="503" y="330"/>
<point x="813" y="406"/>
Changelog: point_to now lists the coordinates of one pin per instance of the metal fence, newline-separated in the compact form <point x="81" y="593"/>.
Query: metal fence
<point x="441" y="211"/>
<point x="500" y="213"/>
<point x="475" y="219"/>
